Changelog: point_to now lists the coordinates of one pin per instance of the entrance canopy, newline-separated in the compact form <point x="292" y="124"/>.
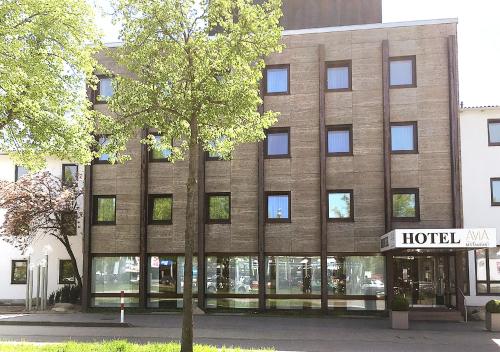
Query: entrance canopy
<point x="438" y="239"/>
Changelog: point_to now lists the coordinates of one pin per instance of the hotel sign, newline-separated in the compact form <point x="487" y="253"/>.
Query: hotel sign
<point x="438" y="238"/>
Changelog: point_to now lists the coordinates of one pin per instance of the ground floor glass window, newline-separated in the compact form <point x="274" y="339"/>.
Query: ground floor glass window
<point x="488" y="271"/>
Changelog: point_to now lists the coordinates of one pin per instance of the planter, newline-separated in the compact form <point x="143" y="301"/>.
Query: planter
<point x="399" y="320"/>
<point x="493" y="322"/>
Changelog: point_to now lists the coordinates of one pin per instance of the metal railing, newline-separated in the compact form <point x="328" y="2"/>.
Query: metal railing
<point x="465" y="302"/>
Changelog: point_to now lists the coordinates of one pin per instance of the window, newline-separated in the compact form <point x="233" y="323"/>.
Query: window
<point x="166" y="281"/>
<point x="218" y="208"/>
<point x="104" y="89"/>
<point x="293" y="275"/>
<point x="19" y="272"/>
<point x="339" y="76"/>
<point x="277" y="79"/>
<point x="277" y="143"/>
<point x="20" y="172"/>
<point x="103" y="158"/>
<point x="494" y="132"/>
<point x="404" y="137"/>
<point x="156" y="155"/>
<point x="340" y="205"/>
<point x="278" y="207"/>
<point x="69" y="174"/>
<point x="488" y="271"/>
<point x="495" y="191"/>
<point x="339" y="140"/>
<point x="160" y="209"/>
<point x="405" y="204"/>
<point x="68" y="223"/>
<point x="210" y="156"/>
<point x="104" y="210"/>
<point x="232" y="275"/>
<point x="403" y="72"/>
<point x="66" y="272"/>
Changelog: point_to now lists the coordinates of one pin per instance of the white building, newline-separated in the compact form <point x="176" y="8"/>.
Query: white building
<point x="480" y="143"/>
<point x="13" y="262"/>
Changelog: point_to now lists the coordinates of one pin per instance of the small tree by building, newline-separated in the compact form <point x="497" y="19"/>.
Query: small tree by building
<point x="39" y="205"/>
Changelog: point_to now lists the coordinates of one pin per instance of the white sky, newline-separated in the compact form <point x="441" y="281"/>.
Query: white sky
<point x="478" y="39"/>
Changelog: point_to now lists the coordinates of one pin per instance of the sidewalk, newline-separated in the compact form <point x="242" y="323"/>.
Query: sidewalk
<point x="285" y="333"/>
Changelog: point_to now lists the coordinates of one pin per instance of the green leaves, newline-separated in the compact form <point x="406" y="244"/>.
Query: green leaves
<point x="195" y="66"/>
<point x="46" y="57"/>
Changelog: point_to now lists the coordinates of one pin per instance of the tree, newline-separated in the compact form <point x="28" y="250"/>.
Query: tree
<point x="46" y="55"/>
<point x="194" y="70"/>
<point x="40" y="205"/>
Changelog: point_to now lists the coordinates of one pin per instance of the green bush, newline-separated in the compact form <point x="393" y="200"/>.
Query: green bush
<point x="111" y="346"/>
<point x="66" y="294"/>
<point x="493" y="306"/>
<point x="400" y="304"/>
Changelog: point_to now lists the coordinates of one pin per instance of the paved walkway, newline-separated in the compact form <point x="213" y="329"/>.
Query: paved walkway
<point x="283" y="333"/>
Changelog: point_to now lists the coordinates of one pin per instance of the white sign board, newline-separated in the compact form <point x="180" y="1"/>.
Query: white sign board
<point x="438" y="238"/>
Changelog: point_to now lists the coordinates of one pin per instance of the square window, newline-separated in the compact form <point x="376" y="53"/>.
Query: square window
<point x="160" y="209"/>
<point x="339" y="140"/>
<point x="278" y="207"/>
<point x="104" y="89"/>
<point x="211" y="156"/>
<point x="219" y="208"/>
<point x="104" y="210"/>
<point x="69" y="223"/>
<point x="405" y="205"/>
<point x="277" y="79"/>
<point x="66" y="272"/>
<point x="402" y="72"/>
<point x="69" y="174"/>
<point x="102" y="142"/>
<point x="339" y="76"/>
<point x="159" y="155"/>
<point x="20" y="172"/>
<point x="19" y="272"/>
<point x="340" y="205"/>
<point x="404" y="138"/>
<point x="277" y="143"/>
<point x="495" y="191"/>
<point x="494" y="132"/>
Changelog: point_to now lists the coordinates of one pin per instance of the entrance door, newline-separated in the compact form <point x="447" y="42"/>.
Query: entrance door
<point x="423" y="280"/>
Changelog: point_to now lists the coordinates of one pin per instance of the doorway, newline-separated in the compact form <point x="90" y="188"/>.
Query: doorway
<point x="426" y="281"/>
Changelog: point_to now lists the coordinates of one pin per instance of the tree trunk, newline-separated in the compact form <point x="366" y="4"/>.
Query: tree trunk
<point x="67" y="245"/>
<point x="187" y="321"/>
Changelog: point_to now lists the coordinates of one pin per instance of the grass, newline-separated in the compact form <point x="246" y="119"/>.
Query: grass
<point x="111" y="346"/>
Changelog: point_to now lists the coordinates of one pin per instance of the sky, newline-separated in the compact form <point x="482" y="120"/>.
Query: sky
<point x="478" y="39"/>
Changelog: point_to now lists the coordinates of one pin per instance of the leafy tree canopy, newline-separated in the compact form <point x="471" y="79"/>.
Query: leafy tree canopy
<point x="46" y="54"/>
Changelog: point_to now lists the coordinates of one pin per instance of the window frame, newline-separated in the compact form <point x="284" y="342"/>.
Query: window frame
<point x="207" y="208"/>
<point x="413" y="59"/>
<point x="75" y="213"/>
<point x="95" y="209"/>
<point x="16" y="172"/>
<point x="487" y="282"/>
<point x="63" y="173"/>
<point x="97" y="160"/>
<point x="151" y="199"/>
<point x="62" y="282"/>
<point x="346" y="127"/>
<point x="279" y="66"/>
<point x="150" y="152"/>
<point x="266" y="207"/>
<point x="493" y="180"/>
<point x="12" y="267"/>
<point x="414" y="191"/>
<point x="338" y="64"/>
<point x="490" y="143"/>
<point x="98" y="89"/>
<point x="351" y="210"/>
<point x="415" y="137"/>
<point x="276" y="130"/>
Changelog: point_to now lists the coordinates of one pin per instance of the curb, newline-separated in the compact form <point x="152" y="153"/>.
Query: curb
<point x="66" y="324"/>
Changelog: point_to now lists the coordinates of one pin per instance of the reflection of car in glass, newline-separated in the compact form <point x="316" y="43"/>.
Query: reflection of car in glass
<point x="373" y="287"/>
<point x="219" y="283"/>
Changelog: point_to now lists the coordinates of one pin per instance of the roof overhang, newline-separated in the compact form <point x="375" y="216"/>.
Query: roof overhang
<point x="457" y="239"/>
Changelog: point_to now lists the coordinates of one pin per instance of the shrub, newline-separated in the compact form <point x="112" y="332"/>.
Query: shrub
<point x="400" y="304"/>
<point x="66" y="294"/>
<point x="493" y="306"/>
<point x="52" y="298"/>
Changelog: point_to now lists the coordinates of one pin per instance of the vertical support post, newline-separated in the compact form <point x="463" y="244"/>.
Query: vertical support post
<point x="122" y="307"/>
<point x="28" y="264"/>
<point x="38" y="268"/>
<point x="45" y="282"/>
<point x="30" y="288"/>
<point x="42" y="284"/>
<point x="87" y="238"/>
<point x="322" y="177"/>
<point x="143" y="241"/>
<point x="261" y="242"/>
<point x="201" y="229"/>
